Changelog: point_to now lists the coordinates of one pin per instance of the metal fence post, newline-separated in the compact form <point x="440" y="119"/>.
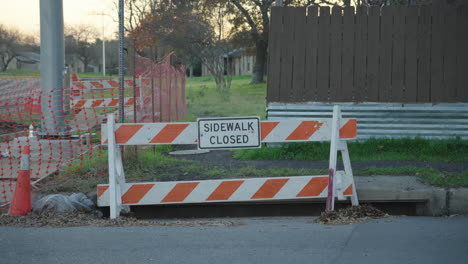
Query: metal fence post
<point x="121" y="61"/>
<point x="52" y="69"/>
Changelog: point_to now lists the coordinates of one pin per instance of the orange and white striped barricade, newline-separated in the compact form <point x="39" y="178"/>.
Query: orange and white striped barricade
<point x="338" y="184"/>
<point x="77" y="104"/>
<point x="79" y="88"/>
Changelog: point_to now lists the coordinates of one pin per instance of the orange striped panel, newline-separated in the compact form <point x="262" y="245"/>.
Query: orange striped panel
<point x="314" y="187"/>
<point x="130" y="101"/>
<point x="113" y="83"/>
<point x="270" y="188"/>
<point x="97" y="103"/>
<point x="349" y="130"/>
<point x="225" y="190"/>
<point x="97" y="84"/>
<point x="135" y="193"/>
<point x="169" y="133"/>
<point x="80" y="85"/>
<point x="349" y="190"/>
<point x="125" y="132"/>
<point x="101" y="190"/>
<point x="305" y="130"/>
<point x="266" y="128"/>
<point x="80" y="104"/>
<point x="180" y="192"/>
<point x="76" y="92"/>
<point x="114" y="102"/>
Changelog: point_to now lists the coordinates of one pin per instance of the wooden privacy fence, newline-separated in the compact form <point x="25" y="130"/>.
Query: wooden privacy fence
<point x="405" y="54"/>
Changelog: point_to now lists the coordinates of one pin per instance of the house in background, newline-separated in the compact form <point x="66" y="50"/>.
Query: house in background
<point x="29" y="61"/>
<point x="73" y="61"/>
<point x="240" y="61"/>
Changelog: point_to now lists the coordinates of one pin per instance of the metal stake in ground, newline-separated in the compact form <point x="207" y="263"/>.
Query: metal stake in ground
<point x="121" y="61"/>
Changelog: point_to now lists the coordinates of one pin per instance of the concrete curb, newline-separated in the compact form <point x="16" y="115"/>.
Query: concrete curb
<point x="431" y="200"/>
<point x="458" y="201"/>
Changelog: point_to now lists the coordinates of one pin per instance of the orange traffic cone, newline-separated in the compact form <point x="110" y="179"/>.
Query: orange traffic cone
<point x="21" y="204"/>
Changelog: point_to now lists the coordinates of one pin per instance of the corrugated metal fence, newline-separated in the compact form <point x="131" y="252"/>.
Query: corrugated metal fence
<point x="403" y="54"/>
<point x="387" y="119"/>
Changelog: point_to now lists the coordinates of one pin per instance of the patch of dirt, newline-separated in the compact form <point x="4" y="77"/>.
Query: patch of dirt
<point x="350" y="215"/>
<point x="79" y="218"/>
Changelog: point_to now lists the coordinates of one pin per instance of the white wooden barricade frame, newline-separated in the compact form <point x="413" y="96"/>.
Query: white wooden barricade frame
<point x="336" y="130"/>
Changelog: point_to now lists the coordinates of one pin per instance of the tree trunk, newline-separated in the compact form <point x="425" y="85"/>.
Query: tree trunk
<point x="260" y="61"/>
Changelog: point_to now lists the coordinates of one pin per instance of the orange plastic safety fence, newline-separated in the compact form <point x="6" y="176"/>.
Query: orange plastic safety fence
<point x="69" y="147"/>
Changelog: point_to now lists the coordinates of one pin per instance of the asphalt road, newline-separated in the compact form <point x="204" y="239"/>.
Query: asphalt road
<point x="258" y="240"/>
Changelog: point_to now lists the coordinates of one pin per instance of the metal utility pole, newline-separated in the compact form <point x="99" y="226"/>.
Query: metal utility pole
<point x="52" y="69"/>
<point x="102" y="14"/>
<point x="121" y="61"/>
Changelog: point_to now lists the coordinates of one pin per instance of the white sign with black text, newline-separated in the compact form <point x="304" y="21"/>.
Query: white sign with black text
<point x="228" y="133"/>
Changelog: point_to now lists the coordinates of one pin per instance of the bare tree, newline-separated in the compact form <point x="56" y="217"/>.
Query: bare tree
<point x="79" y="40"/>
<point x="191" y="28"/>
<point x="11" y="41"/>
<point x="256" y="15"/>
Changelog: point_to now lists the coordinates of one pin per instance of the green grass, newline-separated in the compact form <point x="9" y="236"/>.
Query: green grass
<point x="204" y="101"/>
<point x="19" y="73"/>
<point x="84" y="75"/>
<point x="373" y="149"/>
<point x="152" y="164"/>
<point x="430" y="175"/>
<point x="81" y="176"/>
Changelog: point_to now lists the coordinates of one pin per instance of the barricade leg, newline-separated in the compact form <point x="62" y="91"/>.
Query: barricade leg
<point x="333" y="157"/>
<point x="116" y="176"/>
<point x="349" y="172"/>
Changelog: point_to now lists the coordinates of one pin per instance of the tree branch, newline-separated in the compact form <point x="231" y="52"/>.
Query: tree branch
<point x="246" y="15"/>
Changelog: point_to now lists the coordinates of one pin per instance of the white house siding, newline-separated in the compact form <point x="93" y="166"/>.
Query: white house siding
<point x="242" y="66"/>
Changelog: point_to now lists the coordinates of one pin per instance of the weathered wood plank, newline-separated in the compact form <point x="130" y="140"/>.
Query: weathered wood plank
<point x="373" y="26"/>
<point x="348" y="54"/>
<point x="360" y="54"/>
<point x="450" y="53"/>
<point x="274" y="55"/>
<point x="298" y="87"/>
<point x="336" y="28"/>
<point x="311" y="54"/>
<point x="323" y="71"/>
<point x="287" y="54"/>
<point x="437" y="54"/>
<point x="397" y="92"/>
<point x="385" y="66"/>
<point x="462" y="54"/>
<point x="424" y="51"/>
<point x="411" y="65"/>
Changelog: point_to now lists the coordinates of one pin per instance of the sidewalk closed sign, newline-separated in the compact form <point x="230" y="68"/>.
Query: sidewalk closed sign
<point x="227" y="133"/>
